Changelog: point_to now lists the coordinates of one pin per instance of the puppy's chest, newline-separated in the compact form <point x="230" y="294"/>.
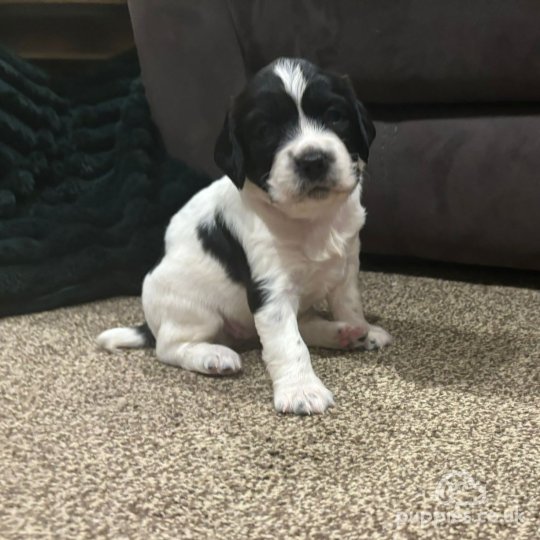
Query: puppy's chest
<point x="314" y="279"/>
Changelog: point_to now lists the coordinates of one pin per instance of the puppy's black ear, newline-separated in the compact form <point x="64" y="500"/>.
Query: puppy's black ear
<point x="365" y="125"/>
<point x="367" y="128"/>
<point x="228" y="153"/>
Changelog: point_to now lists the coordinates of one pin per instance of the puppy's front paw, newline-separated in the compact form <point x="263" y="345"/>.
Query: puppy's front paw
<point x="304" y="396"/>
<point x="377" y="338"/>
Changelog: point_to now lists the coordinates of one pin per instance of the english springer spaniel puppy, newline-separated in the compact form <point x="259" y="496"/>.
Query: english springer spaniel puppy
<point x="258" y="250"/>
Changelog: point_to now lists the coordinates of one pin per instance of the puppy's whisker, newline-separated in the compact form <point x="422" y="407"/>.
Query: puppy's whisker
<point x="357" y="168"/>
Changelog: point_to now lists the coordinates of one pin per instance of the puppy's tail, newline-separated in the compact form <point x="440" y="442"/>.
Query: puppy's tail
<point x="126" y="338"/>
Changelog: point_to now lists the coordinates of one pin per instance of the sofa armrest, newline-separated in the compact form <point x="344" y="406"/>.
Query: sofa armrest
<point x="191" y="65"/>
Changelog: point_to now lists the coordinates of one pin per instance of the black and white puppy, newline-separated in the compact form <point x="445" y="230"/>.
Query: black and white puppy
<point x="257" y="250"/>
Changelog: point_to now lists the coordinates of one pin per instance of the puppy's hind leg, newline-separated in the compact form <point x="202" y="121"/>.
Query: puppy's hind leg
<point x="319" y="332"/>
<point x="346" y="305"/>
<point x="187" y="343"/>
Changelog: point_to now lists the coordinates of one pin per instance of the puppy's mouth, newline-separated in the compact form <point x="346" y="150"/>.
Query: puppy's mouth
<point x="332" y="187"/>
<point x="319" y="192"/>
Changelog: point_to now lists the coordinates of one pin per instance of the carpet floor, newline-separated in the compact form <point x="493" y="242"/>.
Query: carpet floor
<point x="437" y="436"/>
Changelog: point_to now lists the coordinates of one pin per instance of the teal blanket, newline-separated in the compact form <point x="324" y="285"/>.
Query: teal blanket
<point x="86" y="187"/>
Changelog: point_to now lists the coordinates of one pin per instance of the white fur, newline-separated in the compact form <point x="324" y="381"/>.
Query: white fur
<point x="293" y="78"/>
<point x="305" y="249"/>
<point x="285" y="187"/>
<point x="118" y="338"/>
<point x="188" y="298"/>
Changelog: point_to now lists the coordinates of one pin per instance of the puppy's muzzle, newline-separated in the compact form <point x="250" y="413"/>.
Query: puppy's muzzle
<point x="313" y="165"/>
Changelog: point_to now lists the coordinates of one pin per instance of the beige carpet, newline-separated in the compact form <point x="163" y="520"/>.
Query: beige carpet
<point x="436" y="437"/>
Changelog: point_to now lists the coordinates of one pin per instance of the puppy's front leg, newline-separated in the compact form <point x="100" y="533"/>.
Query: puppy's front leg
<point x="345" y="302"/>
<point x="296" y="387"/>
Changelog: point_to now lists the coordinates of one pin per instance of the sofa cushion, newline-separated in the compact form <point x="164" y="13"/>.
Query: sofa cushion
<point x="191" y="65"/>
<point x="447" y="182"/>
<point x="456" y="187"/>
<point x="413" y="51"/>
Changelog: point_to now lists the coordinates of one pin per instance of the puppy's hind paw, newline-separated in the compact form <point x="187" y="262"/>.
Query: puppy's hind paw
<point x="377" y="338"/>
<point x="351" y="337"/>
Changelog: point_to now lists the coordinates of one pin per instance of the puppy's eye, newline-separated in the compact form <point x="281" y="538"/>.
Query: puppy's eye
<point x="336" y="118"/>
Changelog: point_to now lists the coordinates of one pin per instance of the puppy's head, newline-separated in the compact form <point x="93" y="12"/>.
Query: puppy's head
<point x="298" y="133"/>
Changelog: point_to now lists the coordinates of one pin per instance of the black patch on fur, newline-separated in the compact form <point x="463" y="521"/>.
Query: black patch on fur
<point x="228" y="153"/>
<point x="220" y="242"/>
<point x="261" y="120"/>
<point x="330" y="99"/>
<point x="144" y="331"/>
<point x="257" y="295"/>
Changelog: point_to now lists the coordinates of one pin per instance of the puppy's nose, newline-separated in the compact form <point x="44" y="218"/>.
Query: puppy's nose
<point x="312" y="164"/>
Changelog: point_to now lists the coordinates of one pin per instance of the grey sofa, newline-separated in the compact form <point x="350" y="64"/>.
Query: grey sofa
<point x="454" y="88"/>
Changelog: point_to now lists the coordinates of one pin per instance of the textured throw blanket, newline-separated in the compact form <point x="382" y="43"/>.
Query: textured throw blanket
<point x="86" y="188"/>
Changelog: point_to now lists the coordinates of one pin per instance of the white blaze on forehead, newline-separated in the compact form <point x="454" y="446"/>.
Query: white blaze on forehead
<point x="293" y="78"/>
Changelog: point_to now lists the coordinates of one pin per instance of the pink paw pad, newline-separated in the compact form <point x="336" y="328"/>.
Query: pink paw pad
<point x="349" y="336"/>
